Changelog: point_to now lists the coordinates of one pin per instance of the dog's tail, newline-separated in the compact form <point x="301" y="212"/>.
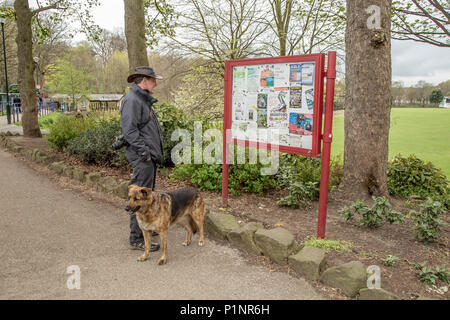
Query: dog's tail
<point x="193" y="225"/>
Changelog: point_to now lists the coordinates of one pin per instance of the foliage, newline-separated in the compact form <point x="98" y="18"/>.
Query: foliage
<point x="300" y="176"/>
<point x="436" y="96"/>
<point x="429" y="276"/>
<point x="160" y="21"/>
<point x="390" y="261"/>
<point x="328" y="245"/>
<point x="374" y="216"/>
<point x="427" y="223"/>
<point x="412" y="176"/>
<point x="67" y="128"/>
<point x="46" y="121"/>
<point x="94" y="145"/>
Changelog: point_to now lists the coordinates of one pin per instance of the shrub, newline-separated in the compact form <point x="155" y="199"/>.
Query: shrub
<point x="67" y="128"/>
<point x="94" y="145"/>
<point x="427" y="222"/>
<point x="301" y="177"/>
<point x="374" y="216"/>
<point x="412" y="176"/>
<point x="390" y="261"/>
<point x="429" y="276"/>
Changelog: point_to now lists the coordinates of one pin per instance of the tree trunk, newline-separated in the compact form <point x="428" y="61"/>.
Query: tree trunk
<point x="27" y="85"/>
<point x="368" y="98"/>
<point x="135" y="33"/>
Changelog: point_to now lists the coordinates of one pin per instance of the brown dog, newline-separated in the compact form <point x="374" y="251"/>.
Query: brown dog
<point x="157" y="211"/>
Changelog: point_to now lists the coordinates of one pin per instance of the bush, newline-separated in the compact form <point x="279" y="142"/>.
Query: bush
<point x="301" y="177"/>
<point x="241" y="178"/>
<point x="413" y="177"/>
<point x="429" y="276"/>
<point x="94" y="145"/>
<point x="67" y="128"/>
<point x="374" y="216"/>
<point x="427" y="222"/>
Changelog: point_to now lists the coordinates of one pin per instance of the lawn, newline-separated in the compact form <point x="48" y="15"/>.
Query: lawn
<point x="423" y="132"/>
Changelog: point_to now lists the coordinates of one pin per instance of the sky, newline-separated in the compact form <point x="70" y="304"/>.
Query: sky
<point x="411" y="61"/>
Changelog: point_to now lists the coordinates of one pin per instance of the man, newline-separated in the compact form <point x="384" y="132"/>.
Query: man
<point x="142" y="131"/>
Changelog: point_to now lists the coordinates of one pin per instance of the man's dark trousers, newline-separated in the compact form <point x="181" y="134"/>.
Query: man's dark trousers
<point x="144" y="175"/>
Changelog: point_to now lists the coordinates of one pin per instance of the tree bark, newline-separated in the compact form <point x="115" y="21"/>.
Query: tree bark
<point x="27" y="85"/>
<point x="368" y="99"/>
<point x="135" y="33"/>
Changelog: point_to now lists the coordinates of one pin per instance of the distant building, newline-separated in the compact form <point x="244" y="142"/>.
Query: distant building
<point x="104" y="102"/>
<point x="445" y="103"/>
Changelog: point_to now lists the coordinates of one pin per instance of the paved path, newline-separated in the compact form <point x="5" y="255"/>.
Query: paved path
<point x="5" y="127"/>
<point x="44" y="230"/>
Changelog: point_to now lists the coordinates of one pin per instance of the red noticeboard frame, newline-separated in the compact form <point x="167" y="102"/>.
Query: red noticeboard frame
<point x="318" y="135"/>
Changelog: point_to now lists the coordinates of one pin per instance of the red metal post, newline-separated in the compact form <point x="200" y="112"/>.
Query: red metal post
<point x="226" y="124"/>
<point x="327" y="138"/>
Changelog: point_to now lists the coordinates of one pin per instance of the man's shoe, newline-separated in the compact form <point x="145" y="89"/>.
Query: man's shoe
<point x="141" y="246"/>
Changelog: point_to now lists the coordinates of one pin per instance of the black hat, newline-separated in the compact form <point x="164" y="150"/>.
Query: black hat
<point x="144" y="72"/>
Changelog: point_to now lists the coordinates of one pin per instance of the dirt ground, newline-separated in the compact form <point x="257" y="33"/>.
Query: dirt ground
<point x="367" y="245"/>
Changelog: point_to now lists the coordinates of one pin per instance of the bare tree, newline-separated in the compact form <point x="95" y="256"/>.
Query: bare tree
<point x="135" y="33"/>
<point x="422" y="20"/>
<point x="221" y="30"/>
<point x="306" y="26"/>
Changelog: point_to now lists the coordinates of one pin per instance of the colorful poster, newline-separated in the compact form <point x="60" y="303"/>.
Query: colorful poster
<point x="239" y="78"/>
<point x="295" y="73"/>
<point x="262" y="118"/>
<point x="267" y="77"/>
<point x="262" y="101"/>
<point x="295" y="95"/>
<point x="301" y="124"/>
<point x="308" y="74"/>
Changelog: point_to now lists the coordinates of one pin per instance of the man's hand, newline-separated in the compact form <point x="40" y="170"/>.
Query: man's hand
<point x="149" y="158"/>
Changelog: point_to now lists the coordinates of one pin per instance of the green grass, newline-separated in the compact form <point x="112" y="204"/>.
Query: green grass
<point x="328" y="245"/>
<point x="423" y="132"/>
<point x="45" y="121"/>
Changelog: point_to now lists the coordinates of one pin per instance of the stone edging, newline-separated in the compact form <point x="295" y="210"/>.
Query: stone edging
<point x="278" y="244"/>
<point x="104" y="183"/>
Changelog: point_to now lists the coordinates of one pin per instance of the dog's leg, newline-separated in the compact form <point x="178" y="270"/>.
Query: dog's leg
<point x="148" y="241"/>
<point x="163" y="237"/>
<point x="198" y="216"/>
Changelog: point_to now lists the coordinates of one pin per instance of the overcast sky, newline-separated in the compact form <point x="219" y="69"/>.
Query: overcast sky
<point x="411" y="61"/>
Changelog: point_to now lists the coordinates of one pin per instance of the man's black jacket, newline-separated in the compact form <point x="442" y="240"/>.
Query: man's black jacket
<point x="140" y="127"/>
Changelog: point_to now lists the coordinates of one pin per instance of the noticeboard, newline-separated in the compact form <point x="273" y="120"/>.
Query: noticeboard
<point x="279" y="98"/>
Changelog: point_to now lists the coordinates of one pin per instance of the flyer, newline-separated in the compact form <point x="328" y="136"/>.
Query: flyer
<point x="295" y="73"/>
<point x="295" y="94"/>
<point x="281" y="72"/>
<point x="308" y="98"/>
<point x="239" y="78"/>
<point x="267" y="77"/>
<point x="252" y="79"/>
<point x="300" y="124"/>
<point x="307" y="74"/>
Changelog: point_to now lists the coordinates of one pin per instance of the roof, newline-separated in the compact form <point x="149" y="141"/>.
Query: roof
<point x="105" y="97"/>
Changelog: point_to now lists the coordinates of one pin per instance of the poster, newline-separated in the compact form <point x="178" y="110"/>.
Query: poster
<point x="276" y="101"/>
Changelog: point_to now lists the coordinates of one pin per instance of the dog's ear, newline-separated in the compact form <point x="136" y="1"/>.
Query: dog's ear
<point x="146" y="192"/>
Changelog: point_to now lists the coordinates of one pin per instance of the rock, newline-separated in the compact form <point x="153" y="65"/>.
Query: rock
<point x="17" y="149"/>
<point x="46" y="160"/>
<point x="79" y="174"/>
<point x="349" y="277"/>
<point x="58" y="167"/>
<point x="277" y="244"/>
<point x="220" y="224"/>
<point x="122" y="189"/>
<point x="376" y="294"/>
<point x="108" y="184"/>
<point x="309" y="262"/>
<point x="68" y="171"/>
<point x="92" y="178"/>
<point x="244" y="237"/>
